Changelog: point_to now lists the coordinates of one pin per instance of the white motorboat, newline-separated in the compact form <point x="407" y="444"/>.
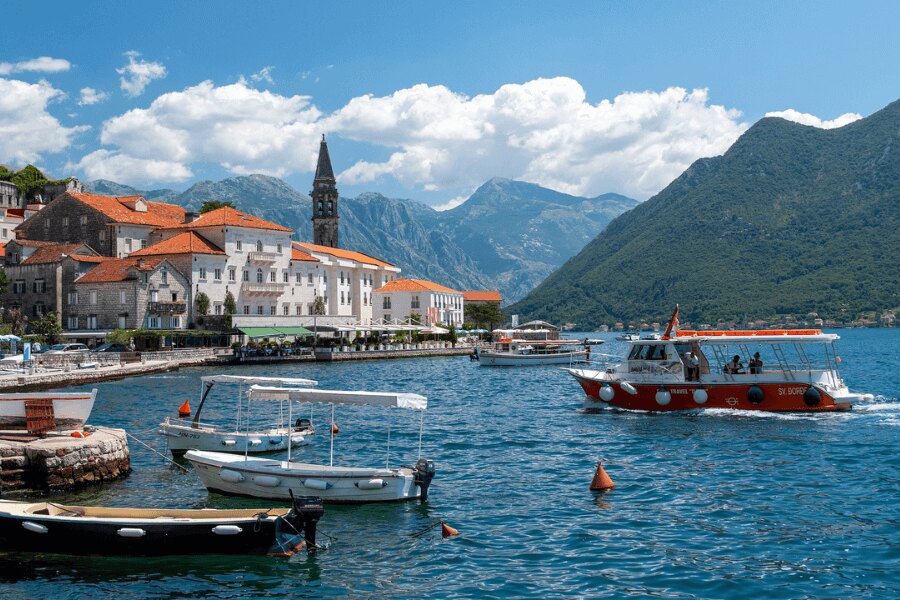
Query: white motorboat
<point x="628" y="337"/>
<point x="183" y="435"/>
<point x="511" y="352"/>
<point x="70" y="409"/>
<point x="274" y="479"/>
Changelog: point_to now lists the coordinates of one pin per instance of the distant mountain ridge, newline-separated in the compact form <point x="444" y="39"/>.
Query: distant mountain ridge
<point x="790" y="220"/>
<point x="508" y="235"/>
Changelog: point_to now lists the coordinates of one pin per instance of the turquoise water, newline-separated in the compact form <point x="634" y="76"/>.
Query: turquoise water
<point x="708" y="505"/>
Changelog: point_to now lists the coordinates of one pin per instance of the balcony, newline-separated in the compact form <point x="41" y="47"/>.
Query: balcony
<point x="275" y="289"/>
<point x="263" y="257"/>
<point x="167" y="308"/>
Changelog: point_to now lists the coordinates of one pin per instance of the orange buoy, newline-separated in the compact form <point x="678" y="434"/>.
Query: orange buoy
<point x="77" y="434"/>
<point x="447" y="531"/>
<point x="334" y="429"/>
<point x="601" y="481"/>
<point x="185" y="409"/>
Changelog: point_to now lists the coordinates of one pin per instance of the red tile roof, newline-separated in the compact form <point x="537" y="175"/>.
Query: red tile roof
<point x="188" y="242"/>
<point x="232" y="218"/>
<point x="33" y="243"/>
<point x="297" y="254"/>
<point x="88" y="258"/>
<point x="482" y="296"/>
<point x="159" y="214"/>
<point x="15" y="212"/>
<point x="117" y="269"/>
<point x="339" y="253"/>
<point x="414" y="285"/>
<point x="51" y="253"/>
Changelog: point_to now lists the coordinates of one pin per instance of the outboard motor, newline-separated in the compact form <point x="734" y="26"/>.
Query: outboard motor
<point x="305" y="514"/>
<point x="423" y="473"/>
<point x="301" y="424"/>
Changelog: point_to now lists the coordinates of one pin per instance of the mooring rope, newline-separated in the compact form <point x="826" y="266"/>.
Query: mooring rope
<point x="149" y="447"/>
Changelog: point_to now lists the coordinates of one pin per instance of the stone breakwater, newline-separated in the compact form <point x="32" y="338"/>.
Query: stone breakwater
<point x="61" y="462"/>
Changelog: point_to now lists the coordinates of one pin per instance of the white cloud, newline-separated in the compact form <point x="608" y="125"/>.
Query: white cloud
<point x="28" y="129"/>
<point x="264" y="74"/>
<point x="41" y="64"/>
<point x="544" y="131"/>
<point x="137" y="74"/>
<point x="814" y="121"/>
<point x="452" y="203"/>
<point x="242" y="129"/>
<point x="91" y="96"/>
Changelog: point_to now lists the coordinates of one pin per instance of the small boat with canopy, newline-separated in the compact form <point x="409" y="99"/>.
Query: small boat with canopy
<point x="183" y="435"/>
<point x="268" y="478"/>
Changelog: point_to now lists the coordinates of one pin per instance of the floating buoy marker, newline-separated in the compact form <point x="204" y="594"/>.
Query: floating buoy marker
<point x="447" y="531"/>
<point x="601" y="481"/>
<point x="334" y="429"/>
<point x="185" y="409"/>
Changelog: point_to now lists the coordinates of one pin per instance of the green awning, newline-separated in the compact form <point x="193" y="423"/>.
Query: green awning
<point x="259" y="332"/>
<point x="295" y="331"/>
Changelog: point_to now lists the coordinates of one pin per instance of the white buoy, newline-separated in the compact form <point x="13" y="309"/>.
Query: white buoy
<point x="663" y="397"/>
<point x="700" y="396"/>
<point x="607" y="392"/>
<point x="34" y="527"/>
<point x="131" y="532"/>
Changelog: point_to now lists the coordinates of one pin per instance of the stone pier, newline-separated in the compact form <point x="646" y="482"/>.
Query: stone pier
<point x="62" y="462"/>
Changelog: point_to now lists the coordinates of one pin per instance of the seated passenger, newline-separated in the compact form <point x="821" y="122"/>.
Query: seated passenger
<point x="734" y="366"/>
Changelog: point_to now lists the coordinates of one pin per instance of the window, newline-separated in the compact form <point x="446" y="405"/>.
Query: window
<point x="310" y="309"/>
<point x="364" y="299"/>
<point x="93" y="296"/>
<point x="272" y="276"/>
<point x="259" y="276"/>
<point x="102" y="235"/>
<point x="38" y="309"/>
<point x="73" y="297"/>
<point x="309" y="279"/>
<point x="232" y="274"/>
<point x="121" y="296"/>
<point x="342" y="278"/>
<point x="386" y="303"/>
<point x="273" y="310"/>
<point x="128" y="244"/>
<point x="83" y="219"/>
<point x="246" y="275"/>
<point x="299" y="279"/>
<point x="165" y="277"/>
<point x="299" y="310"/>
<point x="415" y="302"/>
<point x="387" y="317"/>
<point x="259" y="246"/>
<point x="175" y="322"/>
<point x="286" y="275"/>
<point x="73" y="322"/>
<point x="153" y="322"/>
<point x="154" y="296"/>
<point x="5" y="232"/>
<point x="47" y="223"/>
<point x="146" y="278"/>
<point x="246" y="309"/>
<point x="122" y="321"/>
<point x="217" y="274"/>
<point x="279" y="248"/>
<point x="92" y="322"/>
<point x="202" y="273"/>
<point x="259" y="310"/>
<point x="348" y="298"/>
<point x="237" y="246"/>
<point x="217" y="309"/>
<point x="143" y="243"/>
<point x="39" y="286"/>
<point x="174" y="296"/>
<point x="330" y="207"/>
<point x="19" y="286"/>
<point x="65" y="221"/>
<point x="286" y="309"/>
<point x="342" y="297"/>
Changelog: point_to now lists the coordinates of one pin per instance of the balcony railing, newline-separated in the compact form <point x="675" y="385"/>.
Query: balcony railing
<point x="262" y="288"/>
<point x="167" y="308"/>
<point x="263" y="257"/>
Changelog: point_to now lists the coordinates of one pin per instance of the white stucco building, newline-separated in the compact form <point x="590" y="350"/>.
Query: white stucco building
<point x="435" y="303"/>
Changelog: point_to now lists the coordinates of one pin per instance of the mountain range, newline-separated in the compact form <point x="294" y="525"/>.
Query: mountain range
<point x="508" y="235"/>
<point x="790" y="220"/>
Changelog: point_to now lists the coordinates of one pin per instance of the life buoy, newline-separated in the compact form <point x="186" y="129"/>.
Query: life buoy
<point x="755" y="394"/>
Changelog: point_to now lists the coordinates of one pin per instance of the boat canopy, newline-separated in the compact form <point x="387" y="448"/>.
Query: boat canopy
<point x="398" y="400"/>
<point x="756" y="335"/>
<point x="251" y="380"/>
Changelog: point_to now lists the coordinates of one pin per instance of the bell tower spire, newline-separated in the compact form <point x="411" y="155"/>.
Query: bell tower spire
<point x="325" y="201"/>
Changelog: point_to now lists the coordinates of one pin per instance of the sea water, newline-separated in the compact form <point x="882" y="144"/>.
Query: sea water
<point x="716" y="504"/>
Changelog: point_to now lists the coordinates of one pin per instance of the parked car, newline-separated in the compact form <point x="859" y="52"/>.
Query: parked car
<point x="61" y="348"/>
<point x="110" y="348"/>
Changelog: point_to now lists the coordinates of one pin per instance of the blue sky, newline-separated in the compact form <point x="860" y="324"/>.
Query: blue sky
<point x="423" y="100"/>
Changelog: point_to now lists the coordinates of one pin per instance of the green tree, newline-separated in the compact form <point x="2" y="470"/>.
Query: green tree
<point x="48" y="327"/>
<point x="319" y="306"/>
<point x="229" y="305"/>
<point x="214" y="204"/>
<point x="202" y="301"/>
<point x="29" y="180"/>
<point x="486" y="315"/>
<point x="414" y="318"/>
<point x="452" y="335"/>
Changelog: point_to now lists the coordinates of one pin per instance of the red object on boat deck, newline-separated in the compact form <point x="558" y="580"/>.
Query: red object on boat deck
<point x="185" y="409"/>
<point x="601" y="481"/>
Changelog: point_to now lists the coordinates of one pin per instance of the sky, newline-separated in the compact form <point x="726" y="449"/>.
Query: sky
<point x="426" y="100"/>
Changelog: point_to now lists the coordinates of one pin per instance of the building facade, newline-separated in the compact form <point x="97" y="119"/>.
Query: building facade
<point x="432" y="302"/>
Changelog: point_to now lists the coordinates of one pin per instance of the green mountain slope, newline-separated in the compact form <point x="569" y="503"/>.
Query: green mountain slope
<point x="792" y="219"/>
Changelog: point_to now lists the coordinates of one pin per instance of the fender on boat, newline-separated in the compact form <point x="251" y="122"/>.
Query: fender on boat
<point x="628" y="387"/>
<point x="700" y="396"/>
<point x="316" y="484"/>
<point x="131" y="532"/>
<point x="231" y="476"/>
<point x="226" y="530"/>
<point x="266" y="480"/>
<point x="371" y="484"/>
<point x="34" y="527"/>
<point x="607" y="392"/>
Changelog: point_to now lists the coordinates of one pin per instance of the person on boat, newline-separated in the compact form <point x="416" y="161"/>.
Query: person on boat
<point x="692" y="363"/>
<point x="735" y="366"/>
<point x="755" y="364"/>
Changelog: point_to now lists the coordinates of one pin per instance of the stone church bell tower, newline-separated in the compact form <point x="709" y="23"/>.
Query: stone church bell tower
<point x="325" y="201"/>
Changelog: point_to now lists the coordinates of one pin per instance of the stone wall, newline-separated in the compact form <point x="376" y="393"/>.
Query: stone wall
<point x="62" y="462"/>
<point x="61" y="222"/>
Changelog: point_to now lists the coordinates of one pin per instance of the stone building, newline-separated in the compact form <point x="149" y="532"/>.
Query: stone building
<point x="324" y="201"/>
<point x="129" y="293"/>
<point x="113" y="226"/>
<point x="42" y="273"/>
<point x="434" y="303"/>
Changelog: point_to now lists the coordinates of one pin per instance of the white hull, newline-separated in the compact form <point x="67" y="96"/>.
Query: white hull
<point x="272" y="479"/>
<point x="181" y="437"/>
<point x="512" y="359"/>
<point x="70" y="410"/>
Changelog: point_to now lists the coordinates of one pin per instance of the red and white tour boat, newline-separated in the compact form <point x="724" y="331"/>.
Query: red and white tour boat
<point x="772" y="370"/>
